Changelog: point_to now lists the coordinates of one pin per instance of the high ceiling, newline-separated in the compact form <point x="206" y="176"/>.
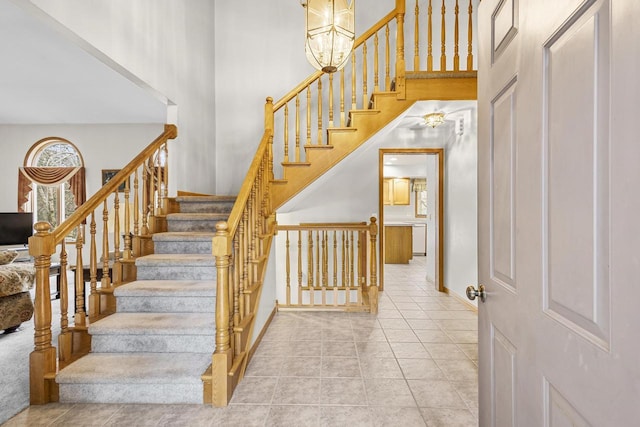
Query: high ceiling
<point x="47" y="77"/>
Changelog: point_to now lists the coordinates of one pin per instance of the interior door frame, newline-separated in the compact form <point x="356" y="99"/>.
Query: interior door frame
<point x="439" y="152"/>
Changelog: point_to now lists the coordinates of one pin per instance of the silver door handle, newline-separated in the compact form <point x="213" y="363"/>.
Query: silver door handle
<point x="472" y="293"/>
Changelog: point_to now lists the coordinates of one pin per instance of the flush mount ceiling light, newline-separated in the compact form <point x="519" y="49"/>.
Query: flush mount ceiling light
<point x="330" y="33"/>
<point x="434" y="119"/>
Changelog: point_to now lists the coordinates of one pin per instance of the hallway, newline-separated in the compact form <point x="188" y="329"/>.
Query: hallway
<point x="414" y="364"/>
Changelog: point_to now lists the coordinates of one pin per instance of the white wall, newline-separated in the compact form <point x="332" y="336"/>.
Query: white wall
<point x="169" y="44"/>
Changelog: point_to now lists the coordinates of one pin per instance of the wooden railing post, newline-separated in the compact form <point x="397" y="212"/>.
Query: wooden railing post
<point x="400" y="64"/>
<point x="222" y="359"/>
<point x="42" y="360"/>
<point x="373" y="281"/>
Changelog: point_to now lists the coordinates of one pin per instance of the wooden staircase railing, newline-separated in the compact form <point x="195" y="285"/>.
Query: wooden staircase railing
<point x="317" y="124"/>
<point x="332" y="266"/>
<point x="143" y="183"/>
<point x="326" y="116"/>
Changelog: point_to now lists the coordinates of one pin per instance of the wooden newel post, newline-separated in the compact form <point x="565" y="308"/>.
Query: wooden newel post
<point x="373" y="280"/>
<point x="222" y="357"/>
<point x="400" y="64"/>
<point x="42" y="360"/>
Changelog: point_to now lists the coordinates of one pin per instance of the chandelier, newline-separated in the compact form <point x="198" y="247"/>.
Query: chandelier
<point x="434" y="119"/>
<point x="330" y="33"/>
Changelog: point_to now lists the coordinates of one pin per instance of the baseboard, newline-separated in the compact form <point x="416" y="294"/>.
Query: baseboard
<point x="461" y="299"/>
<point x="255" y="345"/>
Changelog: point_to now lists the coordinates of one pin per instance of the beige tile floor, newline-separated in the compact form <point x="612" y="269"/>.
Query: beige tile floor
<point x="414" y="364"/>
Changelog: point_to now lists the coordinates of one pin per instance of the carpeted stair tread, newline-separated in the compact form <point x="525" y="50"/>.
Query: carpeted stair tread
<point x="183" y="236"/>
<point x="197" y="260"/>
<point x="198" y="216"/>
<point x="155" y="324"/>
<point x="200" y="199"/>
<point x="167" y="288"/>
<point x="136" y="368"/>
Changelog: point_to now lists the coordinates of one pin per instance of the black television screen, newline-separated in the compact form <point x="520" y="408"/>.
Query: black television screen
<point x="15" y="228"/>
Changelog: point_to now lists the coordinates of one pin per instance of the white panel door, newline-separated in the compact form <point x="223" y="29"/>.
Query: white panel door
<point x="559" y="196"/>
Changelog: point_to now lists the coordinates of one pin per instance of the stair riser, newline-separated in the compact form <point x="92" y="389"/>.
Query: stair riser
<point x="131" y="393"/>
<point x="166" y="304"/>
<point x="176" y="273"/>
<point x="206" y="207"/>
<point x="192" y="225"/>
<point x="153" y="343"/>
<point x="182" y="247"/>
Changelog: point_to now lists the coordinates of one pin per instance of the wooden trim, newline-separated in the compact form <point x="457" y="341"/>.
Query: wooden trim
<point x="461" y="299"/>
<point x="255" y="345"/>
<point x="182" y="193"/>
<point x="433" y="151"/>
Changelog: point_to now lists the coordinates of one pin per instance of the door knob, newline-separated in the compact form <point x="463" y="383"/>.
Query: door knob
<point x="472" y="293"/>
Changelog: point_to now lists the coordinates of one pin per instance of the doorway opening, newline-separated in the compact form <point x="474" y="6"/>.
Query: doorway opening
<point x="411" y="202"/>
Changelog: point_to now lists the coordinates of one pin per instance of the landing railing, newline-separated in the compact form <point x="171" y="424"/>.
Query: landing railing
<point x="138" y="195"/>
<point x="330" y="266"/>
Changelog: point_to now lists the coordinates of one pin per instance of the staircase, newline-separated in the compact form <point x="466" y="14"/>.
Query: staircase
<point x="156" y="346"/>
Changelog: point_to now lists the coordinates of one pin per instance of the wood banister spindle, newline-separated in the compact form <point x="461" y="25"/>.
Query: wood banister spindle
<point x="286" y="133"/>
<point x="309" y="115"/>
<point x="373" y="265"/>
<point x="288" y="269"/>
<point x="80" y="318"/>
<point x="94" y="298"/>
<point x="365" y="89"/>
<point x="222" y="358"/>
<point x="330" y="100"/>
<point x="443" y="41"/>
<point x="470" y="37"/>
<point x="116" y="226"/>
<point x="376" y="69"/>
<point x="318" y="260"/>
<point x="106" y="281"/>
<point x="430" y="37"/>
<point x="353" y="80"/>
<point x="456" y="35"/>
<point x="165" y="178"/>
<point x="136" y="205"/>
<point x="387" y="60"/>
<point x="400" y="62"/>
<point x="240" y="266"/>
<point x="127" y="224"/>
<point x="65" y="343"/>
<point x="297" y="153"/>
<point x="299" y="267"/>
<point x="320" y="139"/>
<point x="310" y="266"/>
<point x="42" y="360"/>
<point x="342" y="116"/>
<point x="145" y="202"/>
<point x="416" y="37"/>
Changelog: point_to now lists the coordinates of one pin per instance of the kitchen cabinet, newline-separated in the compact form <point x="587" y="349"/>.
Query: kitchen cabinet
<point x="398" y="246"/>
<point x="395" y="191"/>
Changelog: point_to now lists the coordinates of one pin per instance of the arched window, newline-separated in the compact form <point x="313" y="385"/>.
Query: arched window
<point x="53" y="173"/>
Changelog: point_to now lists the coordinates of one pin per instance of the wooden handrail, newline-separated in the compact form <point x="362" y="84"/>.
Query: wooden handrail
<point x="170" y="132"/>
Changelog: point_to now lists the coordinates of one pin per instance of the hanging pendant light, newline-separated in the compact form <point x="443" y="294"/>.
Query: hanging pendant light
<point x="434" y="119"/>
<point x="330" y="33"/>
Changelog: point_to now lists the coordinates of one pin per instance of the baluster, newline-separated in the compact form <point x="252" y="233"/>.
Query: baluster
<point x="353" y="80"/>
<point x="430" y="38"/>
<point x="342" y="260"/>
<point x="116" y="227"/>
<point x="365" y="89"/>
<point x="443" y="42"/>
<point x="342" y="98"/>
<point x="237" y="300"/>
<point x="376" y="70"/>
<point x="299" y="267"/>
<point x="165" y="178"/>
<point x="318" y="260"/>
<point x="158" y="169"/>
<point x="351" y="259"/>
<point x="416" y="42"/>
<point x="322" y="258"/>
<point x="145" y="202"/>
<point x="387" y="65"/>
<point x="335" y="259"/>
<point x="330" y="100"/>
<point x="80" y="318"/>
<point x="127" y="225"/>
<point x="309" y="115"/>
<point x="456" y="35"/>
<point x="288" y="270"/>
<point x="65" y="339"/>
<point x="286" y="132"/>
<point x="136" y="206"/>
<point x="223" y="356"/>
<point x="240" y="266"/>
<point x="247" y="258"/>
<point x="106" y="281"/>
<point x="373" y="265"/>
<point x="319" y="142"/>
<point x="400" y="63"/>
<point x="298" y="127"/>
<point x="94" y="298"/>
<point x="310" y="267"/>
<point x="470" y="37"/>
